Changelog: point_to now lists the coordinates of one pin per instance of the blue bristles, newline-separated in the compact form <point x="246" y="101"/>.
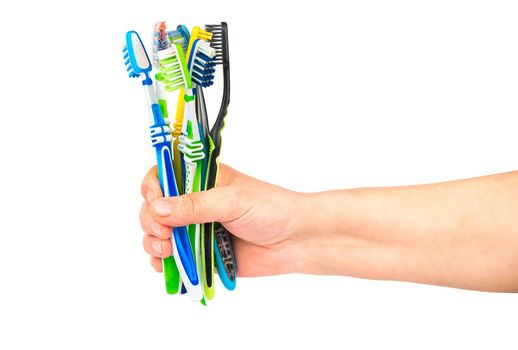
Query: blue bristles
<point x="202" y="65"/>
<point x="203" y="74"/>
<point x="127" y="62"/>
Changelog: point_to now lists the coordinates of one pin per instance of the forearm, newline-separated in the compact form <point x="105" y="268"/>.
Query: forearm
<point x="461" y="234"/>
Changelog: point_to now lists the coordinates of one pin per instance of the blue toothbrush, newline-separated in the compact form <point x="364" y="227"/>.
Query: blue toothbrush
<point x="139" y="65"/>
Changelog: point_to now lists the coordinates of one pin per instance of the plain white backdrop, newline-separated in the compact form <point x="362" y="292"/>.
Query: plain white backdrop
<point x="325" y="95"/>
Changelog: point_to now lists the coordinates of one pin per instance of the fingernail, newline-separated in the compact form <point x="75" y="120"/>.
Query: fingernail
<point x="162" y="208"/>
<point x="157" y="247"/>
<point x="150" y="197"/>
<point x="155" y="227"/>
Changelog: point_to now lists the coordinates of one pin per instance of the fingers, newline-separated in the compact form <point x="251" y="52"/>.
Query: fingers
<point x="158" y="216"/>
<point x="152" y="227"/>
<point x="156" y="263"/>
<point x="160" y="248"/>
<point x="156" y="239"/>
<point x="218" y="204"/>
<point x="150" y="188"/>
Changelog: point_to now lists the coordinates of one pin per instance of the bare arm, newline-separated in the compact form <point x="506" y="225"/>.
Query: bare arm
<point x="461" y="234"/>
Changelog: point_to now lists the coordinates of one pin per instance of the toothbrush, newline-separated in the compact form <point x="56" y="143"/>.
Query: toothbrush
<point x="174" y="74"/>
<point x="162" y="39"/>
<point x="224" y="256"/>
<point x="196" y="33"/>
<point x="201" y="67"/>
<point x="180" y="36"/>
<point x="192" y="149"/>
<point x="179" y="162"/>
<point x="138" y="65"/>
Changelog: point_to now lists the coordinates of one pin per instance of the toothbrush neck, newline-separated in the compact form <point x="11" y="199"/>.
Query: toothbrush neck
<point x="150" y="94"/>
<point x="189" y="95"/>
<point x="156" y="117"/>
<point x="147" y="80"/>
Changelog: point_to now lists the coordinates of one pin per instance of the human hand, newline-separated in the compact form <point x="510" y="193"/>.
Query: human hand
<point x="264" y="220"/>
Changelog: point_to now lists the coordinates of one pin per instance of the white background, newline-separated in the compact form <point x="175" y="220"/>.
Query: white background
<point x="325" y="95"/>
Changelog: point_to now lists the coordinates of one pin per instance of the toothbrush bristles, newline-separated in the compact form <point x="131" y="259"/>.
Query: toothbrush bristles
<point x="127" y="62"/>
<point x="217" y="41"/>
<point x="203" y="66"/>
<point x="170" y="70"/>
<point x="176" y="36"/>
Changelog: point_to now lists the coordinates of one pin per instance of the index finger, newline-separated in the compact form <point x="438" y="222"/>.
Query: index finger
<point x="150" y="188"/>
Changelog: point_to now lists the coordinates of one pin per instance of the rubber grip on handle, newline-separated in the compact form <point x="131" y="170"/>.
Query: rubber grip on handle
<point x="184" y="251"/>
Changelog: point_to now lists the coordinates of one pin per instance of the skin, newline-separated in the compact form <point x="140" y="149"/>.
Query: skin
<point x="461" y="234"/>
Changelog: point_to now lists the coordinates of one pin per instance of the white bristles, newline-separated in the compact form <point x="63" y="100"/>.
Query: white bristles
<point x="171" y="73"/>
<point x="167" y="53"/>
<point x="204" y="47"/>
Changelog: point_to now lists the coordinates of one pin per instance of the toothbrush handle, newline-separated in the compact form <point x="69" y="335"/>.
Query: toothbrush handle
<point x="177" y="131"/>
<point x="219" y="237"/>
<point x="161" y="140"/>
<point x="180" y="238"/>
<point x="221" y="242"/>
<point x="223" y="252"/>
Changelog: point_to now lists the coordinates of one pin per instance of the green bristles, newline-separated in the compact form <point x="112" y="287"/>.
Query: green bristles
<point x="173" y="72"/>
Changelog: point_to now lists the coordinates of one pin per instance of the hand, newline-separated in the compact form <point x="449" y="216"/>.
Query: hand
<point x="267" y="236"/>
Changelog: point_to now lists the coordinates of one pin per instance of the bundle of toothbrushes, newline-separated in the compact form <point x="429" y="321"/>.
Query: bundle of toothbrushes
<point x="187" y="148"/>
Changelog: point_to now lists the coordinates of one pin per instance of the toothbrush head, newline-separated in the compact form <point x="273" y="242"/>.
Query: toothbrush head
<point x="197" y="33"/>
<point x="180" y="36"/>
<point x="135" y="56"/>
<point x="175" y="36"/>
<point x="201" y="63"/>
<point x="173" y="72"/>
<point x="220" y="42"/>
<point x="185" y="34"/>
<point x="160" y="40"/>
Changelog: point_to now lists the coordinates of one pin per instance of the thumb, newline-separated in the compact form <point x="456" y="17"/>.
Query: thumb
<point x="217" y="204"/>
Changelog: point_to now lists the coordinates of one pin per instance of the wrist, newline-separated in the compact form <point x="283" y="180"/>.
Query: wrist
<point x="321" y="232"/>
<point x="338" y="234"/>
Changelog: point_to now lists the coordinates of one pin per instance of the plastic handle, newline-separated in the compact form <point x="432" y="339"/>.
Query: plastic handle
<point x="161" y="140"/>
<point x="184" y="251"/>
<point x="181" y="237"/>
<point x="224" y="256"/>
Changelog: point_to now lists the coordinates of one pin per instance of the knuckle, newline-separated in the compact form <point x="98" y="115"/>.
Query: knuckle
<point x="144" y="186"/>
<point x="167" y="249"/>
<point x="165" y="232"/>
<point x="147" y="182"/>
<point x="143" y="216"/>
<point x="187" y="204"/>
<point x="145" y="242"/>
<point x="156" y="263"/>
